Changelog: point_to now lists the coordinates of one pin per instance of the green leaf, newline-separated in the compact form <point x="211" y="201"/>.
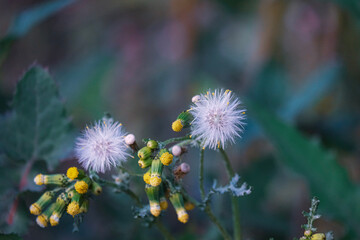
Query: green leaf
<point x="327" y="179"/>
<point x="11" y="236"/>
<point x="37" y="128"/>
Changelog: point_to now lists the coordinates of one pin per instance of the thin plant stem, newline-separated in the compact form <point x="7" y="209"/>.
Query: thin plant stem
<point x="162" y="229"/>
<point x="234" y="200"/>
<point x="207" y="208"/>
<point x="172" y="140"/>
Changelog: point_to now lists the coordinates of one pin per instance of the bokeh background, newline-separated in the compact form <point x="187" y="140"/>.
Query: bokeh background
<point x="142" y="61"/>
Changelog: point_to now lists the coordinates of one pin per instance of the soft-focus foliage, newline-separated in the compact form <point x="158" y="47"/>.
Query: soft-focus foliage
<point x="295" y="62"/>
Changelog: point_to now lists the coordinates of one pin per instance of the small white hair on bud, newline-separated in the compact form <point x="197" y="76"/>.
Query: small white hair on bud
<point x="176" y="150"/>
<point x="130" y="139"/>
<point x="195" y="98"/>
<point x="185" y="168"/>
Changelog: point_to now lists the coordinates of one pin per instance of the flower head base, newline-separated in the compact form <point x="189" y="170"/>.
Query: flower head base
<point x="218" y="119"/>
<point x="102" y="146"/>
<point x="72" y="173"/>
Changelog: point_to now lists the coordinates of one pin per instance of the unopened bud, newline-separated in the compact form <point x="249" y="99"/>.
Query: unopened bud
<point x="195" y="98"/>
<point x="130" y="140"/>
<point x="176" y="150"/>
<point x="181" y="171"/>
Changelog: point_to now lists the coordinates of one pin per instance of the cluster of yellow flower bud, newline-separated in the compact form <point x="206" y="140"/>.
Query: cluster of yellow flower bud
<point x="153" y="157"/>
<point x="72" y="196"/>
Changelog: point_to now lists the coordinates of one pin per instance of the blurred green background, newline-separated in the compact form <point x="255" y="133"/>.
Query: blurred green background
<point x="294" y="63"/>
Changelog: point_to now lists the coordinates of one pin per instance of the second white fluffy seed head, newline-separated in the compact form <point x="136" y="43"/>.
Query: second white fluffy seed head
<point x="218" y="119"/>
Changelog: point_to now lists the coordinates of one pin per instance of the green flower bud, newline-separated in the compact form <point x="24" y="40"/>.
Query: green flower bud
<point x="153" y="196"/>
<point x="178" y="203"/>
<point x="152" y="144"/>
<point x="144" y="163"/>
<point x="59" y="209"/>
<point x="156" y="171"/>
<point x="55" y="179"/>
<point x="84" y="206"/>
<point x="144" y="153"/>
<point x="37" y="207"/>
<point x="96" y="188"/>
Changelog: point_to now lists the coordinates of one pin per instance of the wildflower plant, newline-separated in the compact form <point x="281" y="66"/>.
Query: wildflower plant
<point x="309" y="229"/>
<point x="214" y="120"/>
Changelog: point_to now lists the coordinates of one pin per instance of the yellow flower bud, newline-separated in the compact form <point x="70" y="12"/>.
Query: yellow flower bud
<point x="73" y="208"/>
<point x="183" y="216"/>
<point x="155" y="209"/>
<point x="189" y="206"/>
<point x="177" y="125"/>
<point x="83" y="185"/>
<point x="318" y="236"/>
<point x="166" y="158"/>
<point x="39" y="179"/>
<point x="163" y="204"/>
<point x="155" y="180"/>
<point x="72" y="173"/>
<point x="42" y="221"/>
<point x="147" y="177"/>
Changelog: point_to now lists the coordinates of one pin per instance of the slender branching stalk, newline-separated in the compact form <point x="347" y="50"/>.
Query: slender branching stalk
<point x="207" y="208"/>
<point x="234" y="200"/>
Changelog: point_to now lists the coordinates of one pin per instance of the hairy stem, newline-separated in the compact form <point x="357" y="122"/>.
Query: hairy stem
<point x="207" y="209"/>
<point x="172" y="140"/>
<point x="130" y="193"/>
<point x="234" y="200"/>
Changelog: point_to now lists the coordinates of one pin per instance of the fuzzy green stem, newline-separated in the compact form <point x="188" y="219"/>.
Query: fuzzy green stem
<point x="207" y="209"/>
<point x="234" y="200"/>
<point x="172" y="140"/>
<point x="130" y="193"/>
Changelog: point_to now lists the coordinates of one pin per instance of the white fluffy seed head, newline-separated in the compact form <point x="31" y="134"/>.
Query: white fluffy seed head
<point x="195" y="98"/>
<point x="176" y="150"/>
<point x="130" y="139"/>
<point x="185" y="168"/>
<point x="102" y="146"/>
<point x="218" y="119"/>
